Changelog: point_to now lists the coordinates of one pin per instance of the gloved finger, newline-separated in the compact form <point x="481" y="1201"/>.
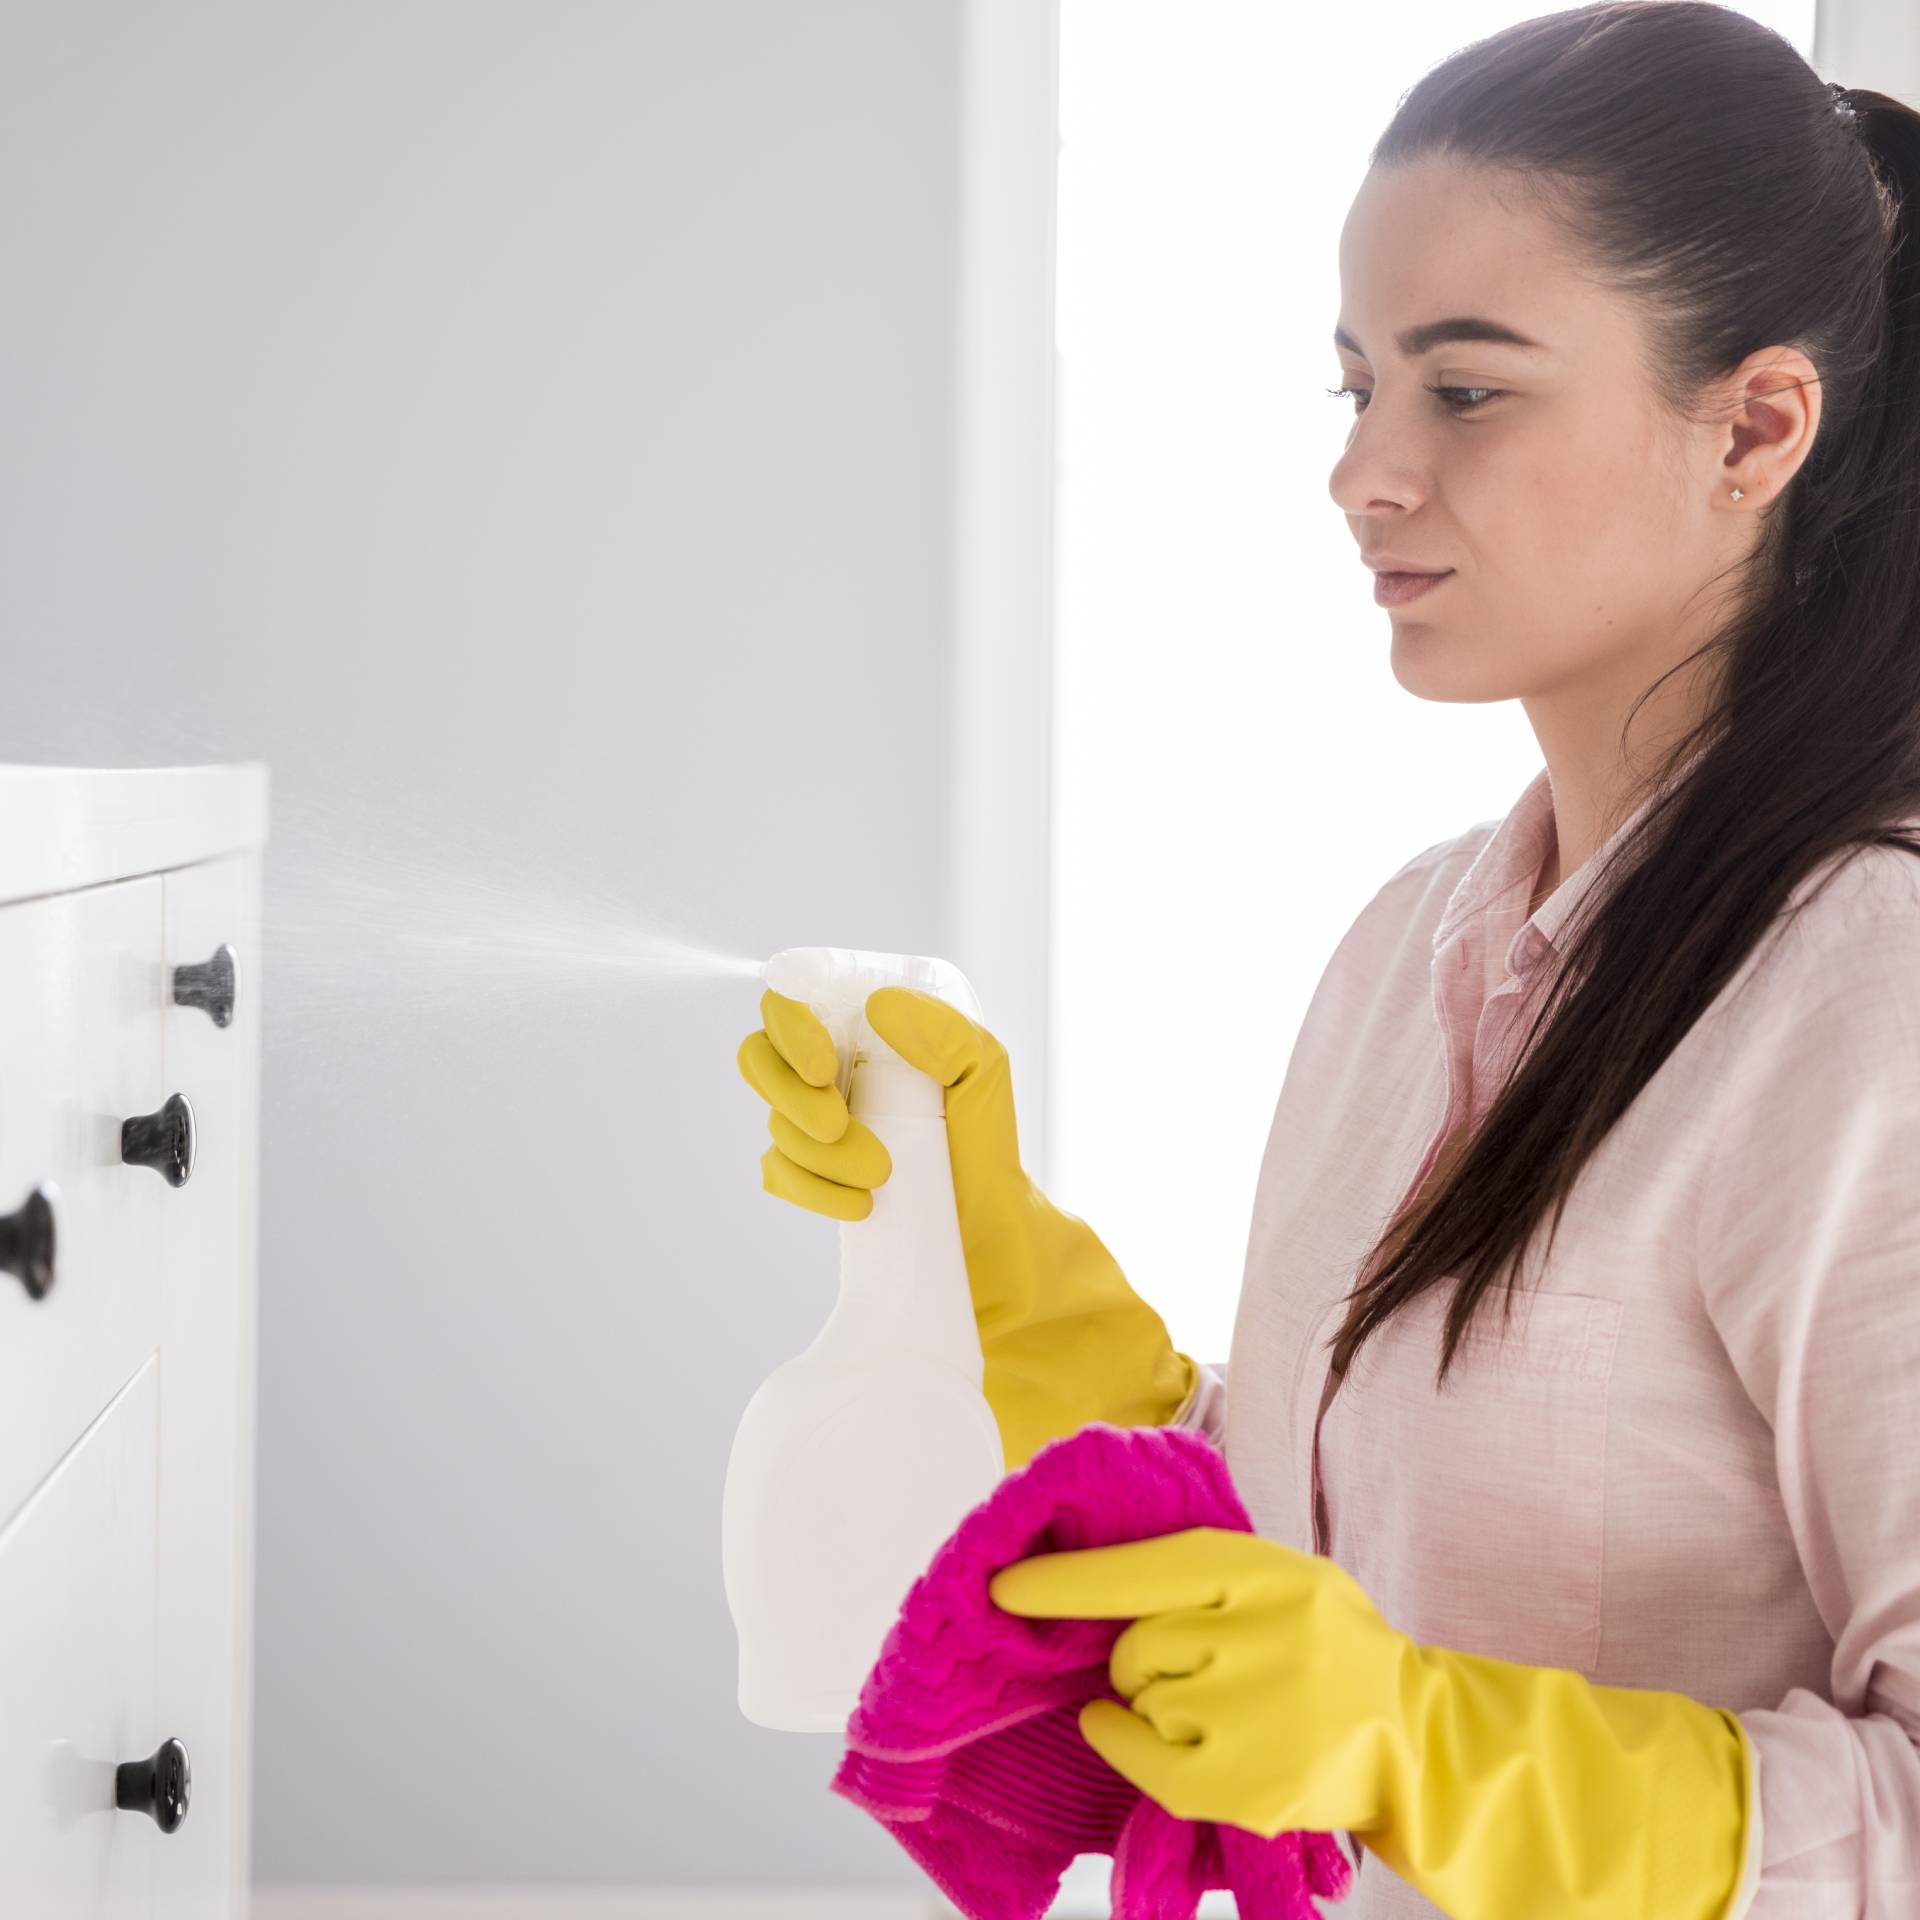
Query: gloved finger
<point x="1134" y="1750"/>
<point x="799" y="1037"/>
<point x="1171" y="1708"/>
<point x="970" y="1063"/>
<point x="819" y="1111"/>
<point x="1123" y="1581"/>
<point x="786" y="1181"/>
<point x="923" y="1029"/>
<point x="859" y="1160"/>
<point x="1163" y="1646"/>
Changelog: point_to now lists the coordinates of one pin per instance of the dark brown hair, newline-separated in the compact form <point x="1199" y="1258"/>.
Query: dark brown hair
<point x="1702" y="167"/>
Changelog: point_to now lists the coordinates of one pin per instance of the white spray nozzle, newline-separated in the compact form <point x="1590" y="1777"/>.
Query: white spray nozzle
<point x="835" y="982"/>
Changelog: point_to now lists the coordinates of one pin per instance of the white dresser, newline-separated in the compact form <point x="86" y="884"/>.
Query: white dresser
<point x="129" y="1123"/>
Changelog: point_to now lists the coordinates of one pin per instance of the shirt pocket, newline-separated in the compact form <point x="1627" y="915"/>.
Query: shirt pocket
<point x="1475" y="1516"/>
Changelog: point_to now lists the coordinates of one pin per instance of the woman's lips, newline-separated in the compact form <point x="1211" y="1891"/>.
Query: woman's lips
<point x="1396" y="589"/>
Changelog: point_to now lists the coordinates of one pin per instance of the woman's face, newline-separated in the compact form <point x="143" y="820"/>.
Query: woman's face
<point x="1588" y="529"/>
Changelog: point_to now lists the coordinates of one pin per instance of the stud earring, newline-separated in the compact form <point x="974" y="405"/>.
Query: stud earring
<point x="1738" y="495"/>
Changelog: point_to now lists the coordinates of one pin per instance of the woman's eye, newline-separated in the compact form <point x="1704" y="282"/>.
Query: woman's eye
<point x="1477" y="396"/>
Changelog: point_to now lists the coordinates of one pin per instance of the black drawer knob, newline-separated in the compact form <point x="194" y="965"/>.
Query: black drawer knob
<point x="26" y="1242"/>
<point x="162" y="1141"/>
<point x="209" y="986"/>
<point x="160" y="1785"/>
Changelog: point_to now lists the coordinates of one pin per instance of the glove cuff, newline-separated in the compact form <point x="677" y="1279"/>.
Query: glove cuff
<point x="1535" y="1790"/>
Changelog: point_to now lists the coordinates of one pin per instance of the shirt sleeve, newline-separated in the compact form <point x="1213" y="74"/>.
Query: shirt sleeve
<point x="1809" y="1264"/>
<point x="1205" y="1407"/>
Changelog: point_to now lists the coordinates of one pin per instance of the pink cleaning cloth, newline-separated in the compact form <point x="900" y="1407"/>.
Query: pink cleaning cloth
<point x="966" y="1741"/>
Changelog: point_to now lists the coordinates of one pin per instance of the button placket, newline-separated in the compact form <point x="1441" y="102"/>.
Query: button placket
<point x="1329" y="1382"/>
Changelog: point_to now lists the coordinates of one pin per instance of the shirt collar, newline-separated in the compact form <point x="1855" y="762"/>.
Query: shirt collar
<point x="1512" y="858"/>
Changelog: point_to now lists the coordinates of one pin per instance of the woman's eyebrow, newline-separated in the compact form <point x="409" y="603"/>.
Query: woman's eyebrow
<point x="1423" y="339"/>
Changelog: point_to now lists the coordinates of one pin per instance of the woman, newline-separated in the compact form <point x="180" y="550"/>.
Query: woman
<point x="1647" y="1534"/>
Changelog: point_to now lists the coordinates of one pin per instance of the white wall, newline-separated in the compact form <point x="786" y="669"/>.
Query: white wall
<point x="528" y="428"/>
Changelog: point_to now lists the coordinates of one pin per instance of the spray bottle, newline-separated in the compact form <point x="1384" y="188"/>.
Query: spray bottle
<point x="858" y="1457"/>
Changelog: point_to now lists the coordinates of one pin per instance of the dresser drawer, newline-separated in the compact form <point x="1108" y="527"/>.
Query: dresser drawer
<point x="129" y="903"/>
<point x="77" y="1686"/>
<point x="81" y="1022"/>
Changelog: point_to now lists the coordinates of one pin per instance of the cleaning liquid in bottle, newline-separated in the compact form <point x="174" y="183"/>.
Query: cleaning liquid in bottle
<point x="858" y="1457"/>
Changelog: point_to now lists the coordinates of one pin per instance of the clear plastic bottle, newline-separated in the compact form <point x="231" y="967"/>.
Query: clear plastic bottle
<point x="858" y="1457"/>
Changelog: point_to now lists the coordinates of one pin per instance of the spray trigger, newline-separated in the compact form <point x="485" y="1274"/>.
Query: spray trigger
<point x="855" y="1058"/>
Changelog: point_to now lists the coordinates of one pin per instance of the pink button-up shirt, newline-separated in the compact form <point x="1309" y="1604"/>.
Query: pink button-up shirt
<point x="1693" y="1463"/>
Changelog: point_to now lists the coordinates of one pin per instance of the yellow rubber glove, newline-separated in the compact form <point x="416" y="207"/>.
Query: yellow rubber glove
<point x="1066" y="1340"/>
<point x="1265" y="1689"/>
